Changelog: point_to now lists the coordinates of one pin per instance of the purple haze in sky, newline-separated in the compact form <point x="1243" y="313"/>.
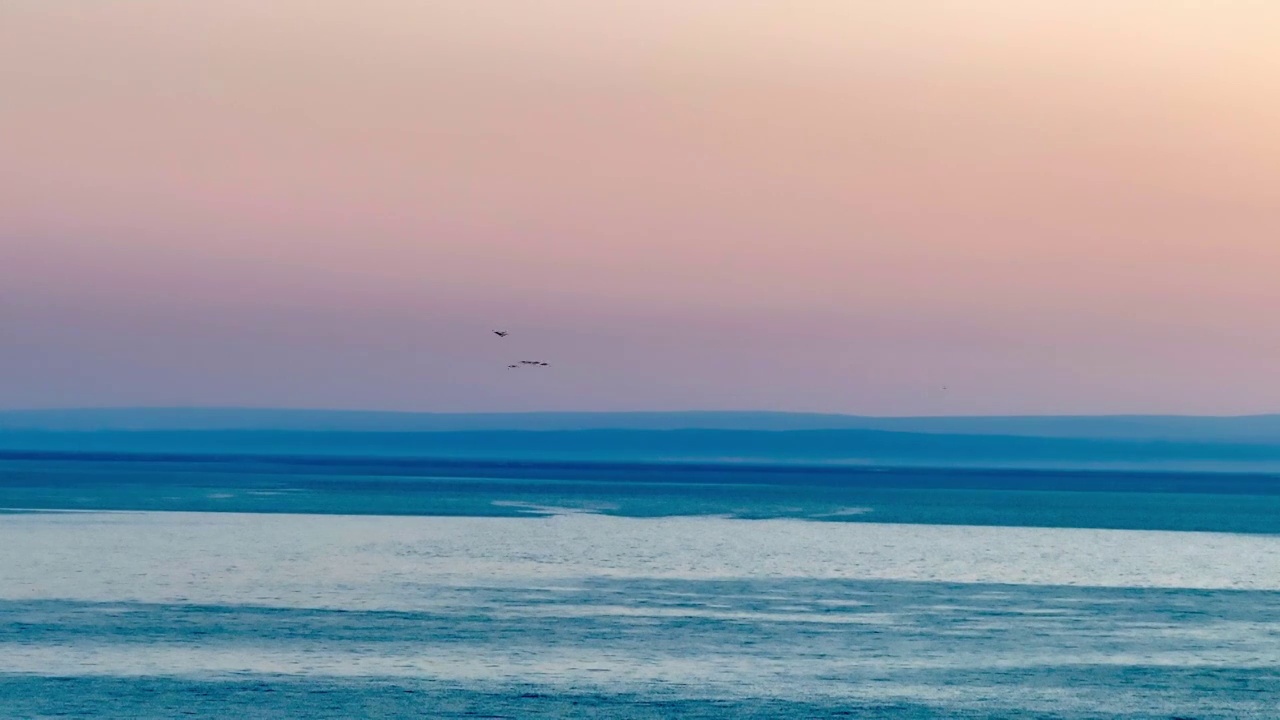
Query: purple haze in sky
<point x="816" y="205"/>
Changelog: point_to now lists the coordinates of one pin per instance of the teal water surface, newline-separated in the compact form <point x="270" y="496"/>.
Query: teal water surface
<point x="216" y="587"/>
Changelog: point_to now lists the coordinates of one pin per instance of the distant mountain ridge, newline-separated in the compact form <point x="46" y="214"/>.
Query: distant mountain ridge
<point x="1250" y="429"/>
<point x="778" y="447"/>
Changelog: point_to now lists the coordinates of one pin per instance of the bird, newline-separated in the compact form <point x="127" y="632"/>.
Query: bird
<point x="543" y="364"/>
<point x="513" y="366"/>
<point x="501" y="333"/>
<point x="528" y="362"/>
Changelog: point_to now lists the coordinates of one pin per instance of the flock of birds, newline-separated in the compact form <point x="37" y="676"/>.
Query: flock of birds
<point x="539" y="363"/>
<point x="522" y="363"/>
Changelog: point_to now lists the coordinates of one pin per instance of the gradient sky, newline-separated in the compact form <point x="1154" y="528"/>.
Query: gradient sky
<point x="832" y="205"/>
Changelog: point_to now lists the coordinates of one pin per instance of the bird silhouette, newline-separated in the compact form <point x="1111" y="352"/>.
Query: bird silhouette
<point x="501" y="333"/>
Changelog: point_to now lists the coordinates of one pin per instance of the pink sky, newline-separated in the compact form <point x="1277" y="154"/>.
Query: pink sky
<point x="837" y="206"/>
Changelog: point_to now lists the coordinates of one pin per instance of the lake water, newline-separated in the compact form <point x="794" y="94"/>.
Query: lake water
<point x="511" y="596"/>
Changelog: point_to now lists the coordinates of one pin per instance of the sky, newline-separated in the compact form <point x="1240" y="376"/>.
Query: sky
<point x="920" y="207"/>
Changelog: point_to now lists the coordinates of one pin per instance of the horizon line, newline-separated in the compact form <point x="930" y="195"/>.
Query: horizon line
<point x="367" y="411"/>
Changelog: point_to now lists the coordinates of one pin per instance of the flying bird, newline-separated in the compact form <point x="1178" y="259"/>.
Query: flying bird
<point x="501" y="333"/>
<point x="513" y="366"/>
